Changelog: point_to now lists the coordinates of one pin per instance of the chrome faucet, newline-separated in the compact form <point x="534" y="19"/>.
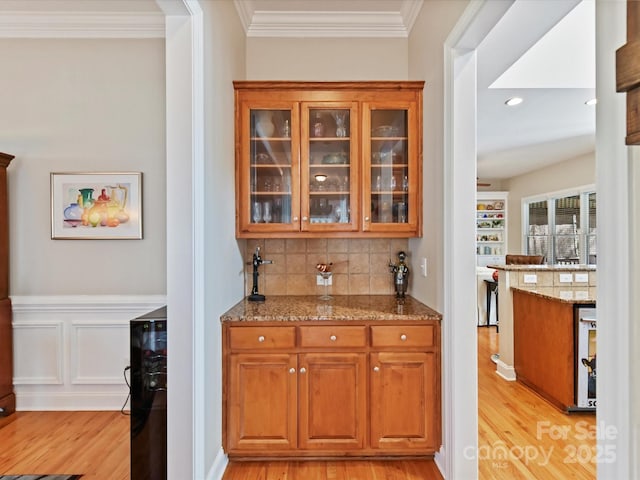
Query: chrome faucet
<point x="257" y="261"/>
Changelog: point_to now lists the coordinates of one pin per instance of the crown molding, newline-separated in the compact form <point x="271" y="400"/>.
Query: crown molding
<point x="326" y="24"/>
<point x="364" y="24"/>
<point x="81" y="25"/>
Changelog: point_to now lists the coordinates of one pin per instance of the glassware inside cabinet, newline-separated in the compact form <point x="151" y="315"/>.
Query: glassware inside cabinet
<point x="329" y="166"/>
<point x="270" y="166"/>
<point x="390" y="173"/>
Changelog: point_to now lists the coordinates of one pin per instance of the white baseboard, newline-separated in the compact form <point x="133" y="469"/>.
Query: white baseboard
<point x="70" y="401"/>
<point x="219" y="465"/>
<point x="440" y="459"/>
<point x="508" y="372"/>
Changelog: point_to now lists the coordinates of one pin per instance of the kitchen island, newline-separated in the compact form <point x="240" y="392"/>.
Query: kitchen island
<point x="577" y="280"/>
<point x="356" y="376"/>
<point x="545" y="333"/>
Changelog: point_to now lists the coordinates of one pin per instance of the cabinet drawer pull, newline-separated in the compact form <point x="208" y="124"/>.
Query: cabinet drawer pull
<point x="403" y="337"/>
<point x="261" y="338"/>
<point x="292" y="370"/>
<point x="376" y="369"/>
<point x="333" y="338"/>
<point x="303" y="370"/>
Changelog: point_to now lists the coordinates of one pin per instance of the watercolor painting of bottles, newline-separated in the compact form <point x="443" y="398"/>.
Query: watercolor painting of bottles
<point x="96" y="206"/>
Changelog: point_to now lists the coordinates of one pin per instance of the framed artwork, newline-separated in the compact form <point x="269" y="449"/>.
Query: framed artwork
<point x="97" y="206"/>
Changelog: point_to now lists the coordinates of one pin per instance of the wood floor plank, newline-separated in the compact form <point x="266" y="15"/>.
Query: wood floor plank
<point x="96" y="444"/>
<point x="514" y="420"/>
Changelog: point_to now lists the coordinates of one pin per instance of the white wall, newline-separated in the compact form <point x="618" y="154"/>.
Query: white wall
<point x="82" y="106"/>
<point x="571" y="173"/>
<point x="426" y="60"/>
<point x="326" y="59"/>
<point x="224" y="278"/>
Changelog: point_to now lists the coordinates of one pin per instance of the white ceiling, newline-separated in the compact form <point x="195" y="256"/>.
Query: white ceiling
<point x="541" y="50"/>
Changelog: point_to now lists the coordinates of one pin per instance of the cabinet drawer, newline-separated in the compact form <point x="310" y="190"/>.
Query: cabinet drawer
<point x="262" y="338"/>
<point x="313" y="336"/>
<point x="403" y="336"/>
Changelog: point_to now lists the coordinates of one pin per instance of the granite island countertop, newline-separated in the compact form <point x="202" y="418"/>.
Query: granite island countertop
<point x="546" y="268"/>
<point x="294" y="308"/>
<point x="562" y="294"/>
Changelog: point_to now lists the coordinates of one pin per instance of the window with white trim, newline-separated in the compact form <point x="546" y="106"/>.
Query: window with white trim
<point x="562" y="227"/>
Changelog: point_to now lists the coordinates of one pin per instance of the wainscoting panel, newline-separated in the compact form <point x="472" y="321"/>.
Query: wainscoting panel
<point x="70" y="352"/>
<point x="99" y="353"/>
<point x="38" y="352"/>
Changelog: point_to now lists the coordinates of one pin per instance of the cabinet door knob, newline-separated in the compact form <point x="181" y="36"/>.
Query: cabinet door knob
<point x="304" y="219"/>
<point x="403" y="337"/>
<point x="292" y="370"/>
<point x="333" y="338"/>
<point x="295" y="219"/>
<point x="366" y="219"/>
<point x="303" y="370"/>
<point x="376" y="369"/>
<point x="261" y="338"/>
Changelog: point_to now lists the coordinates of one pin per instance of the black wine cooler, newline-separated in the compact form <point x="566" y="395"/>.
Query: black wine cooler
<point x="149" y="396"/>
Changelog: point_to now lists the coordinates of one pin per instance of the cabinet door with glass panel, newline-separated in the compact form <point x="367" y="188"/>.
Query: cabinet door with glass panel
<point x="268" y="189"/>
<point x="392" y="160"/>
<point x="328" y="172"/>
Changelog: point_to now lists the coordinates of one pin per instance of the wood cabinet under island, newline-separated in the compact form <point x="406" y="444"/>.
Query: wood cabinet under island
<point x="546" y="341"/>
<point x="356" y="376"/>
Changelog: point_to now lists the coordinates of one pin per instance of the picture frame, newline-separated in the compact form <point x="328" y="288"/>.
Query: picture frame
<point x="96" y="206"/>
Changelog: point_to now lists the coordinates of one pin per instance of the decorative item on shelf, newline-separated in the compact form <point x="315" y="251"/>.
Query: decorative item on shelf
<point x="400" y="275"/>
<point x="264" y="124"/>
<point x="402" y="212"/>
<point x="318" y="126"/>
<point x="335" y="158"/>
<point x="263" y="158"/>
<point x="341" y="126"/>
<point x="385" y="131"/>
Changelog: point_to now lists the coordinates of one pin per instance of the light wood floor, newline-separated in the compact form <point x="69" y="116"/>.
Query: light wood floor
<point x="96" y="444"/>
<point x="538" y="441"/>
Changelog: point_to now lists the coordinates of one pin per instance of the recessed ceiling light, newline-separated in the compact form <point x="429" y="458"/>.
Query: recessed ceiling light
<point x="591" y="102"/>
<point x="513" y="101"/>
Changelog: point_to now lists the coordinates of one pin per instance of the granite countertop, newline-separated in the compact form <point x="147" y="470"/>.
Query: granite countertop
<point x="294" y="308"/>
<point x="545" y="268"/>
<point x="562" y="294"/>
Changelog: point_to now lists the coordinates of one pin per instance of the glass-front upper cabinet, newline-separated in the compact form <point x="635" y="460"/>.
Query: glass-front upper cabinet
<point x="392" y="170"/>
<point x="329" y="174"/>
<point x="269" y="170"/>
<point x="328" y="159"/>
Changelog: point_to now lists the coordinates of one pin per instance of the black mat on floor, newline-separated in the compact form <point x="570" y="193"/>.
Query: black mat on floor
<point x="40" y="477"/>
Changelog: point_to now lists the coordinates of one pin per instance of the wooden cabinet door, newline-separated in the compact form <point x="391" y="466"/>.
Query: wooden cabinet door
<point x="391" y="167"/>
<point x="333" y="403"/>
<point x="329" y="166"/>
<point x="404" y="401"/>
<point x="262" y="402"/>
<point x="267" y="163"/>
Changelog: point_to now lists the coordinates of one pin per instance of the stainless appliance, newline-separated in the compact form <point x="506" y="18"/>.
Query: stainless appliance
<point x="586" y="359"/>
